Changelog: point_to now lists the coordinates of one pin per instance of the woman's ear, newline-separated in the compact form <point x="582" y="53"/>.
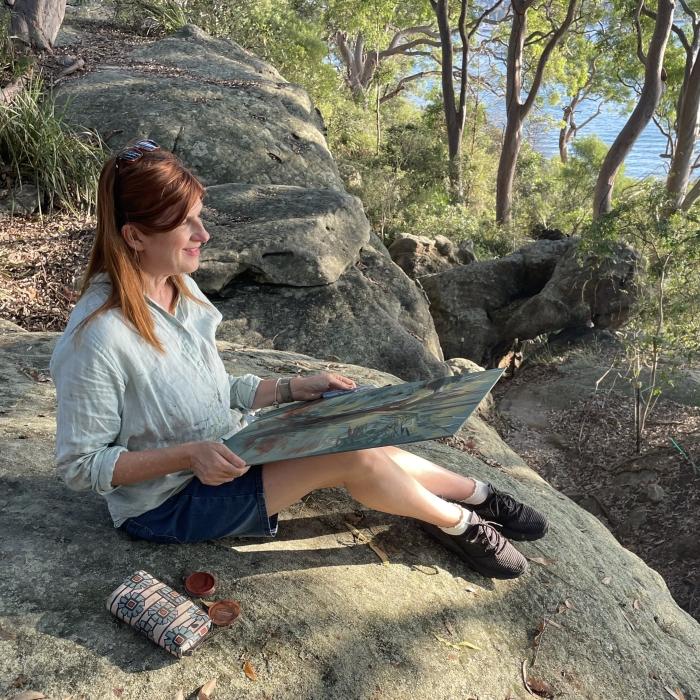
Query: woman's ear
<point x="132" y="237"/>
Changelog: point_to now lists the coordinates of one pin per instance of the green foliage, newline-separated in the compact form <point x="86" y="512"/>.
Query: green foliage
<point x="38" y="148"/>
<point x="667" y="312"/>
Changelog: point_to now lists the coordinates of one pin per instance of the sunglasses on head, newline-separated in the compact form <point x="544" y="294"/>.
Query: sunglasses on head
<point x="134" y="152"/>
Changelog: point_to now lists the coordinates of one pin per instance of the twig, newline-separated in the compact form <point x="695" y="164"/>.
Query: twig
<point x="74" y="67"/>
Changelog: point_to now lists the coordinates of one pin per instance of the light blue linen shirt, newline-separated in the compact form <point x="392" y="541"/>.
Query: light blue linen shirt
<point x="117" y="393"/>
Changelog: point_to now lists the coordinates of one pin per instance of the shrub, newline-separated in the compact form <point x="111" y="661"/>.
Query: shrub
<point x="39" y="148"/>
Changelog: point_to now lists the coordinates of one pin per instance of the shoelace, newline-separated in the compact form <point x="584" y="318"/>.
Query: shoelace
<point x="502" y="501"/>
<point x="486" y="531"/>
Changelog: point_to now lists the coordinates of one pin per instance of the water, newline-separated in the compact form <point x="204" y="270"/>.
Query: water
<point x="643" y="160"/>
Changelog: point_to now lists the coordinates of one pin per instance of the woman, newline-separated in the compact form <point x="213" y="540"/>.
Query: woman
<point x="144" y="399"/>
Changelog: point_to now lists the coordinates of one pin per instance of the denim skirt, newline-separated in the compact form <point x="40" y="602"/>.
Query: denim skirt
<point x="200" y="512"/>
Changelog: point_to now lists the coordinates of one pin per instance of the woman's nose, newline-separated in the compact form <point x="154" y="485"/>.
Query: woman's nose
<point x="201" y="235"/>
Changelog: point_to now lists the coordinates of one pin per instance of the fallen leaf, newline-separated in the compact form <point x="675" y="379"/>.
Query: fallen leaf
<point x="179" y="695"/>
<point x="469" y="589"/>
<point x="29" y="695"/>
<point x="207" y="603"/>
<point x="542" y="560"/>
<point x="542" y="688"/>
<point x="554" y="624"/>
<point x="536" y="686"/>
<point x="568" y="603"/>
<point x="456" y="645"/>
<point x="677" y="693"/>
<point x="207" y="690"/>
<point x="636" y="604"/>
<point x="249" y="671"/>
<point x="118" y="691"/>
<point x="606" y="581"/>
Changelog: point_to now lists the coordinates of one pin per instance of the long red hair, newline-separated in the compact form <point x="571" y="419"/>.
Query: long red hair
<point x="153" y="193"/>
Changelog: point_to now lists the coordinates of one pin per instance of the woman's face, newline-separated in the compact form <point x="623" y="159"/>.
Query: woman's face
<point x="177" y="251"/>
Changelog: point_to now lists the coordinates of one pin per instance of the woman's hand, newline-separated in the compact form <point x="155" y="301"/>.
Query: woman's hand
<point x="310" y="388"/>
<point x="214" y="464"/>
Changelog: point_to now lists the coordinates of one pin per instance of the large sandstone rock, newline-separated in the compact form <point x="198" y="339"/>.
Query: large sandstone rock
<point x="283" y="235"/>
<point x="322" y="617"/>
<point x="371" y="315"/>
<point x="419" y="255"/>
<point x="480" y="309"/>
<point x="230" y="116"/>
<point x="276" y="206"/>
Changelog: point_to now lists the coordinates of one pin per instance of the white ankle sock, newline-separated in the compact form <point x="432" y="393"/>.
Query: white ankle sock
<point x="480" y="493"/>
<point x="462" y="525"/>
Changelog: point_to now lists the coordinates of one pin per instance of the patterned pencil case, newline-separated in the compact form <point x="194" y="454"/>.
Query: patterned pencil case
<point x="162" y="614"/>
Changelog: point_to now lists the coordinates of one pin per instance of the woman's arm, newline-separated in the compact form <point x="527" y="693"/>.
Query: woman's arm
<point x="211" y="462"/>
<point x="303" y="388"/>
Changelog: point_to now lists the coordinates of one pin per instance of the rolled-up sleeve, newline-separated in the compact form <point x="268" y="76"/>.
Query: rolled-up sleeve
<point x="90" y="395"/>
<point x="243" y="390"/>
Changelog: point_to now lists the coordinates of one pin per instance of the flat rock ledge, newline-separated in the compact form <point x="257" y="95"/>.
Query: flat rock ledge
<point x="322" y="616"/>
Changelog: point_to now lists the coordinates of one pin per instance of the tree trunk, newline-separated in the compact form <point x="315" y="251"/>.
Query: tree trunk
<point x="454" y="122"/>
<point x="642" y="113"/>
<point x="517" y="111"/>
<point x="514" y="115"/>
<point x="36" y="22"/>
<point x="687" y="130"/>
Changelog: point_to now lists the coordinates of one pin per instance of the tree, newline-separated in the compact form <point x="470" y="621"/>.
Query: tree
<point x="455" y="106"/>
<point x="686" y="114"/>
<point x="517" y="109"/>
<point x="644" y="110"/>
<point x="36" y="22"/>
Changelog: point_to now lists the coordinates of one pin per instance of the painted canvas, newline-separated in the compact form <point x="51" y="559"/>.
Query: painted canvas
<point x="389" y="415"/>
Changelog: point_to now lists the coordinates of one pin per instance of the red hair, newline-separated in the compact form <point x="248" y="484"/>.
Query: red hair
<point x="154" y="194"/>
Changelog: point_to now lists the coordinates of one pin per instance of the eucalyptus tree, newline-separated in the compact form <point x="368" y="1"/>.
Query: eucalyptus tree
<point x="649" y="97"/>
<point x="684" y="108"/>
<point x="555" y="19"/>
<point x="367" y="36"/>
<point x="35" y="22"/>
<point x="454" y="103"/>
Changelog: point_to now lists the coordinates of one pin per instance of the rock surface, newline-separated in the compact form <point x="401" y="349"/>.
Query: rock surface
<point x="279" y="214"/>
<point x="418" y="256"/>
<point x="230" y="116"/>
<point x="322" y="617"/>
<point x="370" y="316"/>
<point x="480" y="309"/>
<point x="296" y="236"/>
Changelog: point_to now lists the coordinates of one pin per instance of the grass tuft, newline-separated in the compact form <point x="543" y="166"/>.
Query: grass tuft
<point x="37" y="147"/>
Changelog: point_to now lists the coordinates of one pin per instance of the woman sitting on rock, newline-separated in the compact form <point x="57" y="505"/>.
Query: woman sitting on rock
<point x="144" y="399"/>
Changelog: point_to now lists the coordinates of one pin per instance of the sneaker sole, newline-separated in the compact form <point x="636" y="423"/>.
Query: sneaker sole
<point x="446" y="540"/>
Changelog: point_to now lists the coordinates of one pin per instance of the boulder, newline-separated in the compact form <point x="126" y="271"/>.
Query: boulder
<point x="322" y="617"/>
<point x="419" y="255"/>
<point x="230" y="116"/>
<point x="277" y="209"/>
<point x="371" y="315"/>
<point x="546" y="286"/>
<point x="295" y="236"/>
<point x="460" y="366"/>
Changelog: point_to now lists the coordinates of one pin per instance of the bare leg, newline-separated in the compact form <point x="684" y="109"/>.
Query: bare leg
<point x="372" y="477"/>
<point x="435" y="478"/>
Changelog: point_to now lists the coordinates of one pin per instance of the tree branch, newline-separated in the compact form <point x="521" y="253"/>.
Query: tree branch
<point x="541" y="64"/>
<point x="638" y="29"/>
<point x="401" y="85"/>
<point x="674" y="27"/>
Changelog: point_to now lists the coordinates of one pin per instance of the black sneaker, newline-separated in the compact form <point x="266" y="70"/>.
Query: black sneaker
<point x="520" y="522"/>
<point x="483" y="548"/>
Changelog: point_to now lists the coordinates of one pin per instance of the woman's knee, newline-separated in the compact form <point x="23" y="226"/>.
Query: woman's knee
<point x="367" y="464"/>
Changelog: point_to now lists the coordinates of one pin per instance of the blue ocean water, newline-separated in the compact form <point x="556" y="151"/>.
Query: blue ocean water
<point x="643" y="160"/>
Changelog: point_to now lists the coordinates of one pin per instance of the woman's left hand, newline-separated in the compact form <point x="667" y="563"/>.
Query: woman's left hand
<point x="310" y="388"/>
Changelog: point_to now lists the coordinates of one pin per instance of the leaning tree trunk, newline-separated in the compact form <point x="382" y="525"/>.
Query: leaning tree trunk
<point x="517" y="111"/>
<point x="642" y="113"/>
<point x="36" y="22"/>
<point x="687" y="129"/>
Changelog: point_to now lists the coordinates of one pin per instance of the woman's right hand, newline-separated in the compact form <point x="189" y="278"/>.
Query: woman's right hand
<point x="214" y="464"/>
